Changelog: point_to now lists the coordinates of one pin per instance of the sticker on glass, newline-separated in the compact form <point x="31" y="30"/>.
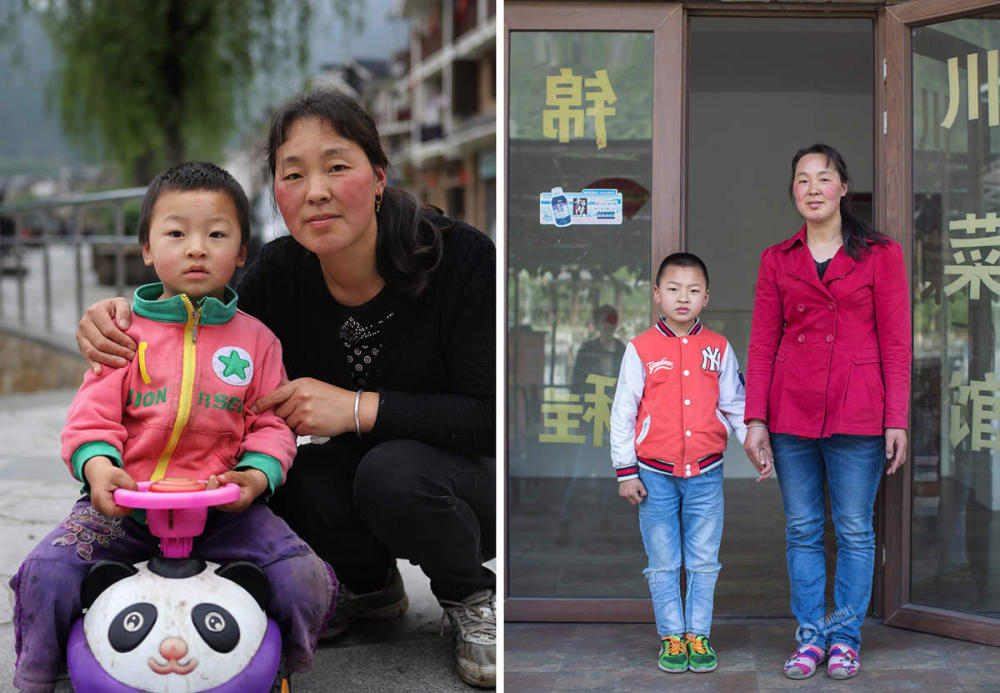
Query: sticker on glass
<point x="589" y="206"/>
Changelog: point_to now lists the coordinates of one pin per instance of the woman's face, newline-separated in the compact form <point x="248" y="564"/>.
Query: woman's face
<point x="817" y="189"/>
<point x="325" y="188"/>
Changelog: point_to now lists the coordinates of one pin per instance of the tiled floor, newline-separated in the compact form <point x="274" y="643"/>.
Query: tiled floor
<point x="622" y="657"/>
<point x="588" y="545"/>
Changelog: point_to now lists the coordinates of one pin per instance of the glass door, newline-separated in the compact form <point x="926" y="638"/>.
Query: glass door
<point x="751" y="109"/>
<point x="585" y="96"/>
<point x="946" y="578"/>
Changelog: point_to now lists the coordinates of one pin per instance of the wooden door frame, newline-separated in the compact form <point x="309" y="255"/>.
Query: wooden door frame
<point x="669" y="24"/>
<point x="895" y="216"/>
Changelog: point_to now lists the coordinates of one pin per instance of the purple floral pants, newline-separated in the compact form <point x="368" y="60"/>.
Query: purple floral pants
<point x="47" y="585"/>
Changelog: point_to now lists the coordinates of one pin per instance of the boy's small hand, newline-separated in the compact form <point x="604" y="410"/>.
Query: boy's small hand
<point x="632" y="490"/>
<point x="104" y="479"/>
<point x="252" y="483"/>
<point x="764" y="465"/>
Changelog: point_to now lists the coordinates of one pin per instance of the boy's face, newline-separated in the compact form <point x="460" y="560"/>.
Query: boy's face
<point x="682" y="296"/>
<point x="195" y="242"/>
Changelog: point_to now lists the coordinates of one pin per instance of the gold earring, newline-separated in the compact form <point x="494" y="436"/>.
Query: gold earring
<point x="378" y="202"/>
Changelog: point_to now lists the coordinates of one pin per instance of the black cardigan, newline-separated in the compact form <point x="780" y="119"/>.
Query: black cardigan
<point x="435" y="370"/>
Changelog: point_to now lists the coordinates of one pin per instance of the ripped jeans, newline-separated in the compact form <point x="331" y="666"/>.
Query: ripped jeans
<point x="680" y="512"/>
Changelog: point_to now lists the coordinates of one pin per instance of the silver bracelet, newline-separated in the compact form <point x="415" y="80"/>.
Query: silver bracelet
<point x="357" y="419"/>
<point x="756" y="425"/>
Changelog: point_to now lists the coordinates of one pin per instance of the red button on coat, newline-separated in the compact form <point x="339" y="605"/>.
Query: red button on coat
<point x="802" y="338"/>
<point x="829" y="338"/>
<point x="801" y="307"/>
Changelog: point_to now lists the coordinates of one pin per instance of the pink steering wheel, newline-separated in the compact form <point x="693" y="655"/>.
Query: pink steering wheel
<point x="172" y="500"/>
<point x="176" y="516"/>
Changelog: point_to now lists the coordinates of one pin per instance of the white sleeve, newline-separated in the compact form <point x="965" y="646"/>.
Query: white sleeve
<point x="732" y="393"/>
<point x="625" y="409"/>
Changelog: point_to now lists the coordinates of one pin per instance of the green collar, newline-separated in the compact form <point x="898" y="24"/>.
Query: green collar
<point x="147" y="303"/>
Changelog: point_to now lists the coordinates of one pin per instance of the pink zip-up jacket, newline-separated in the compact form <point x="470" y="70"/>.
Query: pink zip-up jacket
<point x="180" y="408"/>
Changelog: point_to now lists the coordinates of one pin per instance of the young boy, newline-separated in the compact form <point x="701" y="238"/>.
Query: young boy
<point x="679" y="382"/>
<point x="179" y="409"/>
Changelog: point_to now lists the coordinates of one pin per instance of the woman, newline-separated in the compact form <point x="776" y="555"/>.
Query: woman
<point x="828" y="387"/>
<point x="385" y="312"/>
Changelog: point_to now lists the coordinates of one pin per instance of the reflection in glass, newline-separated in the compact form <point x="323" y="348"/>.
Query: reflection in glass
<point x="580" y="153"/>
<point x="956" y="294"/>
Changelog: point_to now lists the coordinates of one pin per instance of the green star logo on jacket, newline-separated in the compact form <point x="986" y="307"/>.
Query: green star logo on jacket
<point x="233" y="365"/>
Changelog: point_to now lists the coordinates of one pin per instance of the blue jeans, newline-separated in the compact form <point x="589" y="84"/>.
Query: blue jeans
<point x="852" y="467"/>
<point x="689" y="511"/>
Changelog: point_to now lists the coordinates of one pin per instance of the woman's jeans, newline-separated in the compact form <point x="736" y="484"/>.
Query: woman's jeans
<point x="680" y="512"/>
<point x="851" y="466"/>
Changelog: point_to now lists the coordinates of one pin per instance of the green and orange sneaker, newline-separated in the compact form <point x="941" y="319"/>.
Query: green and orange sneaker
<point x="701" y="656"/>
<point x="673" y="655"/>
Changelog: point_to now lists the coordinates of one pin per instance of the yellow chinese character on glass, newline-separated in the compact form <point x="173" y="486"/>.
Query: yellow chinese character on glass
<point x="983" y="398"/>
<point x="601" y="399"/>
<point x="560" y="414"/>
<point x="958" y="429"/>
<point x="564" y="106"/>
<point x="975" y="258"/>
<point x="563" y="116"/>
<point x="972" y="88"/>
<point x="601" y="95"/>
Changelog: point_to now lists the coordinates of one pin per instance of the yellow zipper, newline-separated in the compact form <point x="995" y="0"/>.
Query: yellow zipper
<point x="187" y="388"/>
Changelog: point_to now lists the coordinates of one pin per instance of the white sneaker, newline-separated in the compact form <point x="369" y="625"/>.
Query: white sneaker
<point x="475" y="623"/>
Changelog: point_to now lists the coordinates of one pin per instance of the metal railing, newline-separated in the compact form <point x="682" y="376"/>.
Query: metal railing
<point x="41" y="215"/>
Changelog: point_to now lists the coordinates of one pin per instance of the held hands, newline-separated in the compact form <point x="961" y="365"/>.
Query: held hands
<point x="104" y="479"/>
<point x="100" y="335"/>
<point x="252" y="483"/>
<point x="311" y="407"/>
<point x="895" y="448"/>
<point x="633" y="490"/>
<point x="757" y="445"/>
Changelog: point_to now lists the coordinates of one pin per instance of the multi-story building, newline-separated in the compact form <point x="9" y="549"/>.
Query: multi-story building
<point x="438" y="120"/>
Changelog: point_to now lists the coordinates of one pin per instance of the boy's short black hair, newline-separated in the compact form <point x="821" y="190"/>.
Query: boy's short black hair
<point x="681" y="260"/>
<point x="195" y="175"/>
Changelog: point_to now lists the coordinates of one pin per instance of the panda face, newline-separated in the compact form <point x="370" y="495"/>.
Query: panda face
<point x="188" y="634"/>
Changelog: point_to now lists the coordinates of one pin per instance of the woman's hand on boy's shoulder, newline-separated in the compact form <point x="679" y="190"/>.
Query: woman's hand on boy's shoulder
<point x="632" y="490"/>
<point x="252" y="483"/>
<point x="101" y="337"/>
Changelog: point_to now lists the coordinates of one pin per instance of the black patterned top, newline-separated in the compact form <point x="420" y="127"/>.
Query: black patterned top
<point x="432" y="359"/>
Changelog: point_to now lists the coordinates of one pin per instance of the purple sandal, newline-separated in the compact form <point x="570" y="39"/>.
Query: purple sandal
<point x="803" y="662"/>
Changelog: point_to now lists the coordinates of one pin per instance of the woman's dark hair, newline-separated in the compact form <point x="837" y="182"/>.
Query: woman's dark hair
<point x="409" y="246"/>
<point x="855" y="229"/>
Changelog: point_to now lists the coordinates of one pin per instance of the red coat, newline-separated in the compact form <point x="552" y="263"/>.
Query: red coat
<point x="830" y="356"/>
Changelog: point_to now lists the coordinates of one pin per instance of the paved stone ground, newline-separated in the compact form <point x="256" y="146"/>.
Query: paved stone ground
<point x="36" y="492"/>
<point x="606" y="657"/>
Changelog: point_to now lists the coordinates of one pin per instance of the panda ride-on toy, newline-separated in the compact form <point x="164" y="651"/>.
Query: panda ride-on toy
<point x="175" y="623"/>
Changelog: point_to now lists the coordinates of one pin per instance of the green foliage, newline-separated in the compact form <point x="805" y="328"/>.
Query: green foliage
<point x="160" y="81"/>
